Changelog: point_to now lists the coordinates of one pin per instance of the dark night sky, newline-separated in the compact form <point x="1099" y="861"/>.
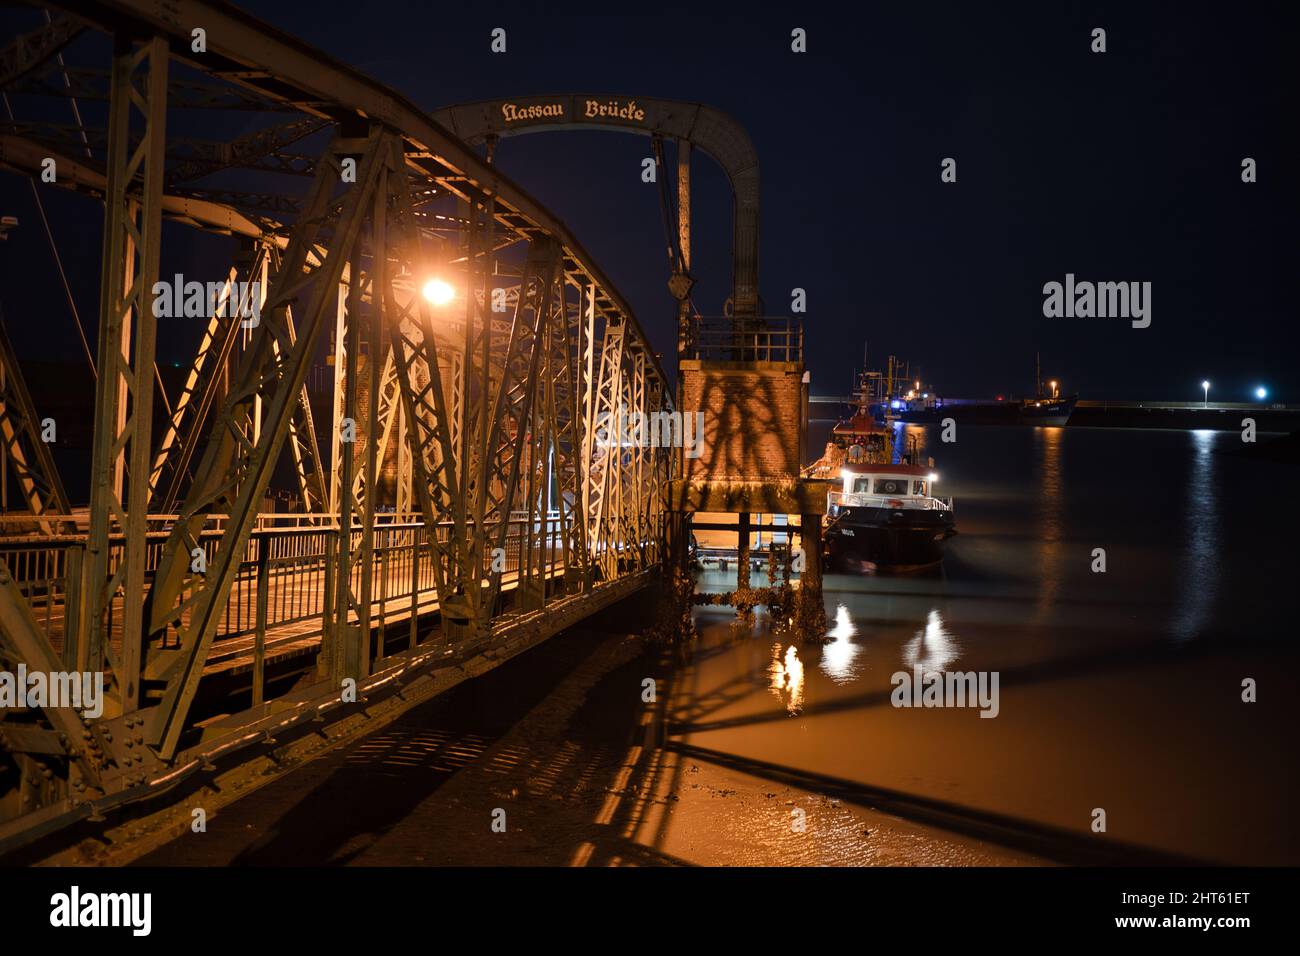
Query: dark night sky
<point x="1121" y="166"/>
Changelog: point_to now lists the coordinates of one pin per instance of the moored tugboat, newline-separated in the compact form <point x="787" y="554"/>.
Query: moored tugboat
<point x="886" y="518"/>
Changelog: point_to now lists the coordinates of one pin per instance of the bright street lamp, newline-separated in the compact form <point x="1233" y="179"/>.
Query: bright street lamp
<point x="1261" y="393"/>
<point x="438" y="292"/>
<point x="1206" y="386"/>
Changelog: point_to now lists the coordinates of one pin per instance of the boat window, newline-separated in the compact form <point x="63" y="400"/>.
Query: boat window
<point x="918" y="487"/>
<point x="891" y="486"/>
<point x="860" y="485"/>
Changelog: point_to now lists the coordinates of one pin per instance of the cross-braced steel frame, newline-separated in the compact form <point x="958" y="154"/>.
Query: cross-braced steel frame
<point x="462" y="478"/>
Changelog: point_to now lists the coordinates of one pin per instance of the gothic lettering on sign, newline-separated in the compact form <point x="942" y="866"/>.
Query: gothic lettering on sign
<point x="614" y="109"/>
<point x="513" y="114"/>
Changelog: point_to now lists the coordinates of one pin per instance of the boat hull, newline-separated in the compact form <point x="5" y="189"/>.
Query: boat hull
<point x="1049" y="413"/>
<point x="887" y="539"/>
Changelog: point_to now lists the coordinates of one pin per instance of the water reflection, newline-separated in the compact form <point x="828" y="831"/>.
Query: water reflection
<point x="786" y="678"/>
<point x="1200" y="564"/>
<point x="838" y="655"/>
<point x="909" y="439"/>
<point x="1050" y="509"/>
<point x="933" y="648"/>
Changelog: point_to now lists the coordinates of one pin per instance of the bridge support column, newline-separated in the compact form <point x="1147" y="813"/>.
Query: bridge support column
<point x="810" y="613"/>
<point x="743" y="601"/>
<point x="674" y="623"/>
<point x="711" y="500"/>
<point x="684" y="242"/>
<point x="125" y="364"/>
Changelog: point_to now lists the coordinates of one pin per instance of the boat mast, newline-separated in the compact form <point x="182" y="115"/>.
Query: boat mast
<point x="864" y="384"/>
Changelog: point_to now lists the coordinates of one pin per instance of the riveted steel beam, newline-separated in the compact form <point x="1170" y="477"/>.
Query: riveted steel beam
<point x="234" y="473"/>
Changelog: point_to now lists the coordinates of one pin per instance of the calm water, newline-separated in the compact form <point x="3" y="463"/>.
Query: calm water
<point x="1119" y="690"/>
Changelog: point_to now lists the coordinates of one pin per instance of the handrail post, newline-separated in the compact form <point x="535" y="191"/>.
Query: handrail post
<point x="73" y="568"/>
<point x="325" y="658"/>
<point x="415" y="587"/>
<point x="383" y="594"/>
<point x="259" y="635"/>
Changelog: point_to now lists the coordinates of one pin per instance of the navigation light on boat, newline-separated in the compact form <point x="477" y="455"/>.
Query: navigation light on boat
<point x="934" y="476"/>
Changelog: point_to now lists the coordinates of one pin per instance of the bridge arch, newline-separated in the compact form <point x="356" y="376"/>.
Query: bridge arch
<point x="711" y="130"/>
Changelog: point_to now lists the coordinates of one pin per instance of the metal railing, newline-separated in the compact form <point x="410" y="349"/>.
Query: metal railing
<point x="289" y="558"/>
<point x="858" y="500"/>
<point x="747" y="339"/>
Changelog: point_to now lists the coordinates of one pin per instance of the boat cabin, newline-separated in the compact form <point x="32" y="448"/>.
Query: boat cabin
<point x="869" y="485"/>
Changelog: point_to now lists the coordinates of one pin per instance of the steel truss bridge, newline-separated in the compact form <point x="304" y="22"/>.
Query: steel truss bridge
<point x="473" y="513"/>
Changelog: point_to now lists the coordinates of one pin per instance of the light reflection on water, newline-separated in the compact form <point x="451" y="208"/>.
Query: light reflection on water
<point x="838" y="655"/>
<point x="933" y="648"/>
<point x="786" y="678"/>
<point x="1200" y="564"/>
<point x="1049" y="507"/>
<point x="1191" y="558"/>
<point x="911" y="439"/>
